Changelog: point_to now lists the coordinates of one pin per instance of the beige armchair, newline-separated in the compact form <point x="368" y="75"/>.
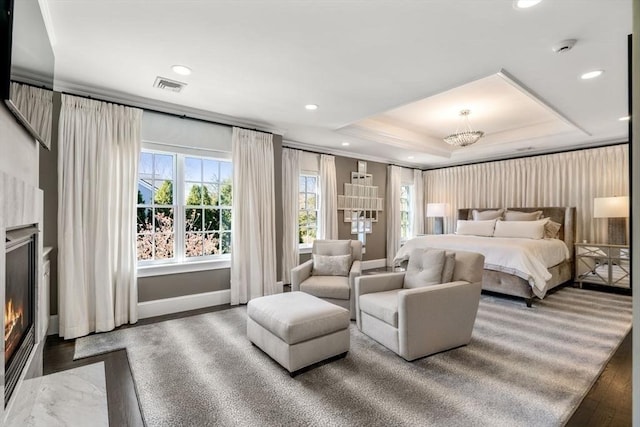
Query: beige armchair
<point x="337" y="264"/>
<point x="414" y="319"/>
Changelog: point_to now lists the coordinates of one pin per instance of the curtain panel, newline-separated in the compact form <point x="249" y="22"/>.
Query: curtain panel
<point x="253" y="253"/>
<point x="36" y="105"/>
<point x="564" y="179"/>
<point x="328" y="199"/>
<point x="417" y="204"/>
<point x="394" y="182"/>
<point x="97" y="189"/>
<point x="290" y="206"/>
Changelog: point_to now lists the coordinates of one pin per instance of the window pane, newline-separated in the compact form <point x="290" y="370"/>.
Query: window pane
<point x="145" y="192"/>
<point x="312" y="234"/>
<point x="193" y="194"/>
<point x="225" y="195"/>
<point x="210" y="170"/>
<point x="163" y="168"/>
<point x="193" y="219"/>
<point x="312" y="216"/>
<point x="303" y="216"/>
<point x="301" y="201"/>
<point x="211" y="244"/>
<point x="164" y="220"/>
<point x="192" y="169"/>
<point x="302" y="234"/>
<point x="164" y="245"/>
<point x="163" y="192"/>
<point x="226" y="219"/>
<point x="311" y="184"/>
<point x="145" y="166"/>
<point x="311" y="201"/>
<point x="193" y="244"/>
<point x="225" y="246"/>
<point x="302" y="183"/>
<point x="144" y="220"/>
<point x="144" y="243"/>
<point x="226" y="172"/>
<point x="212" y="219"/>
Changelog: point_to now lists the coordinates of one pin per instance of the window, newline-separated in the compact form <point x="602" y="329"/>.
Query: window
<point x="308" y="210"/>
<point x="184" y="207"/>
<point x="405" y="212"/>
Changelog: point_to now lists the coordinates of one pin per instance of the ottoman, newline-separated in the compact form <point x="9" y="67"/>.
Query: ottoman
<point x="297" y="329"/>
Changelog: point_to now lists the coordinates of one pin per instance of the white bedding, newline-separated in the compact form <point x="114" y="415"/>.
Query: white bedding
<point x="525" y="258"/>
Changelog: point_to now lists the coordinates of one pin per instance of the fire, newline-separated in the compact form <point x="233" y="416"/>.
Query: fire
<point x="11" y="318"/>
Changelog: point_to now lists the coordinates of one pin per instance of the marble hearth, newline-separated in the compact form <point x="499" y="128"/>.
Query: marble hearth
<point x="21" y="204"/>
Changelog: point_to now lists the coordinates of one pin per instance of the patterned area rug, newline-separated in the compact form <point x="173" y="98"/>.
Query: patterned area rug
<point x="523" y="367"/>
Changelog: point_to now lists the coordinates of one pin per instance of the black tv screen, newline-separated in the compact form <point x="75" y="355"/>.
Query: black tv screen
<point x="27" y="67"/>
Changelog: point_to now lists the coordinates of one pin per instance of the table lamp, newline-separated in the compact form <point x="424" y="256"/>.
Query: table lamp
<point x="616" y="209"/>
<point x="437" y="212"/>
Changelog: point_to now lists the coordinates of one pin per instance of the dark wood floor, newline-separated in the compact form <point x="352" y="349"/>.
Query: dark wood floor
<point x="608" y="403"/>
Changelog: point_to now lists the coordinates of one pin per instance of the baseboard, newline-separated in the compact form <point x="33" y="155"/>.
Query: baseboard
<point x="184" y="303"/>
<point x="374" y="263"/>
<point x="53" y="328"/>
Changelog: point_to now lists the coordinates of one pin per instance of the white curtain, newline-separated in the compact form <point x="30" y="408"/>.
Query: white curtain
<point x="253" y="246"/>
<point x="417" y="203"/>
<point x="35" y="104"/>
<point x="565" y="179"/>
<point x="394" y="182"/>
<point x="290" y="206"/>
<point x="97" y="183"/>
<point x="328" y="199"/>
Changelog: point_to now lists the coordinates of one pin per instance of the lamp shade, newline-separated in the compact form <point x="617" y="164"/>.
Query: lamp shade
<point x="436" y="209"/>
<point x="611" y="207"/>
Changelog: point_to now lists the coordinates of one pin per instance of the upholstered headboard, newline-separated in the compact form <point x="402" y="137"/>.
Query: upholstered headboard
<point x="563" y="215"/>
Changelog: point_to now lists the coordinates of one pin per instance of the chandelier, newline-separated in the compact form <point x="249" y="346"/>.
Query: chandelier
<point x="466" y="136"/>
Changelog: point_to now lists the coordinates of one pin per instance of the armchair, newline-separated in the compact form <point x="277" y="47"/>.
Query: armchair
<point x="332" y="277"/>
<point x="415" y="320"/>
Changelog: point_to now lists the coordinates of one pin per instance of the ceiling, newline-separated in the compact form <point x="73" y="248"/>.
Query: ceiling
<point x="389" y="77"/>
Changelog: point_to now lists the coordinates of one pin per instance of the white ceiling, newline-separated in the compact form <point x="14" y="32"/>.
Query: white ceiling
<point x="257" y="63"/>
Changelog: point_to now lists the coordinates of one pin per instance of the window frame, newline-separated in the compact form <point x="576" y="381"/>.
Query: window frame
<point x="306" y="247"/>
<point x="409" y="212"/>
<point x="180" y="263"/>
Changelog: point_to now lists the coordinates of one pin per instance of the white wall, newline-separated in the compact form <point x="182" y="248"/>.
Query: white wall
<point x="18" y="149"/>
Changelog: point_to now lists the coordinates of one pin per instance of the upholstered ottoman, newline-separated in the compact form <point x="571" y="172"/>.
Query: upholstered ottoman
<point x="297" y="329"/>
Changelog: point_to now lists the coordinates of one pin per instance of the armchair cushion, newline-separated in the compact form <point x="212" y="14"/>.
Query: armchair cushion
<point x="335" y="287"/>
<point x="331" y="247"/>
<point x="381" y="305"/>
<point x="331" y="265"/>
<point x="424" y="268"/>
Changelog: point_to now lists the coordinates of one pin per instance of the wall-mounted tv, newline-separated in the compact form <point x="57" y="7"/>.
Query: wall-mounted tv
<point x="27" y="65"/>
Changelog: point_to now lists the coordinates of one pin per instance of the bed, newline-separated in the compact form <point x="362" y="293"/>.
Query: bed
<point x="523" y="268"/>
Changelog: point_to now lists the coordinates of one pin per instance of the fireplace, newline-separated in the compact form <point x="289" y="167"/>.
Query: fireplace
<point x="19" y="306"/>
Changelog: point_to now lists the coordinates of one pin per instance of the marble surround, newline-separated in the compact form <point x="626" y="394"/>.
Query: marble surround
<point x="21" y="203"/>
<point x="76" y="397"/>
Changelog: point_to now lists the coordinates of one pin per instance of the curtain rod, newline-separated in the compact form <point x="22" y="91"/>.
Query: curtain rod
<point x="180" y="116"/>
<point x="346" y="157"/>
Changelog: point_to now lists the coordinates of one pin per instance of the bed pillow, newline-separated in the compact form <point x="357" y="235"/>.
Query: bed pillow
<point x="476" y="228"/>
<point x="331" y="265"/>
<point x="486" y="215"/>
<point x="522" y="216"/>
<point x="424" y="268"/>
<point x="552" y="229"/>
<point x="521" y="229"/>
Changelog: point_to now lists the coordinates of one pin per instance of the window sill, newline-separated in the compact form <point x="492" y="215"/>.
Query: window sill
<point x="183" y="267"/>
<point x="304" y="250"/>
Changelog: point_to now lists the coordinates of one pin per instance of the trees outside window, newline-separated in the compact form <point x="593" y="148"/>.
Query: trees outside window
<point x="405" y="212"/>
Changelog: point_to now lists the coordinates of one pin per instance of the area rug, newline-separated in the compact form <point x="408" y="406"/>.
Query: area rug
<point x="524" y="366"/>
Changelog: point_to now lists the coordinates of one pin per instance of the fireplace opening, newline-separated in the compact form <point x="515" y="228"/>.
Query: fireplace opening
<point x="19" y="305"/>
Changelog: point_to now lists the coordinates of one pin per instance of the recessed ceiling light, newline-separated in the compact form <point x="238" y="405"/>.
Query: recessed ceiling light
<point x="411" y="157"/>
<point x="591" y="74"/>
<point x="183" y="70"/>
<point x="311" y="107"/>
<point x="525" y="4"/>
<point x="345" y="144"/>
<point x="625" y="118"/>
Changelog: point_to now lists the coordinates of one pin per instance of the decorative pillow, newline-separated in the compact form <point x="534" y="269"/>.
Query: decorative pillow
<point x="521" y="229"/>
<point x="522" y="216"/>
<point x="424" y="268"/>
<point x="476" y="228"/>
<point x="551" y="229"/>
<point x="486" y="215"/>
<point x="331" y="265"/>
<point x="449" y="265"/>
<point x="331" y="247"/>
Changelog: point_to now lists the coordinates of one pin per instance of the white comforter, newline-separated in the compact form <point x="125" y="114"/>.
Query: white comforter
<point x="525" y="258"/>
